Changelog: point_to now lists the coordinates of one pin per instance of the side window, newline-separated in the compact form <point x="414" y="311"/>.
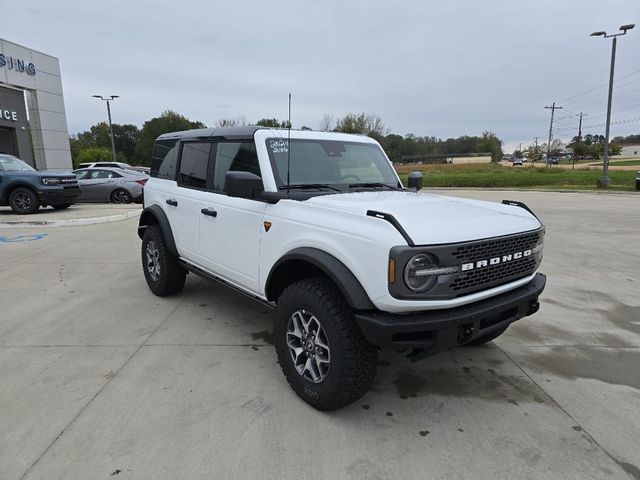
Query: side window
<point x="80" y="175"/>
<point x="100" y="174"/>
<point x="234" y="157"/>
<point x="164" y="159"/>
<point x="193" y="164"/>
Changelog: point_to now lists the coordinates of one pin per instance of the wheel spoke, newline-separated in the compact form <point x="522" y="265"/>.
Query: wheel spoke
<point x="308" y="346"/>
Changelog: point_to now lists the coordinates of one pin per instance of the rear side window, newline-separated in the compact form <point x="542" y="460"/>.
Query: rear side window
<point x="234" y="157"/>
<point x="164" y="159"/>
<point x="194" y="163"/>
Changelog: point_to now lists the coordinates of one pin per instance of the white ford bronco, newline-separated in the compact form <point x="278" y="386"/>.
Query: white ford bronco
<point x="318" y="226"/>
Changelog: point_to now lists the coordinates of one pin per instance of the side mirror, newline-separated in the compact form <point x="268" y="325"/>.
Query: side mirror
<point x="242" y="184"/>
<point x="415" y="180"/>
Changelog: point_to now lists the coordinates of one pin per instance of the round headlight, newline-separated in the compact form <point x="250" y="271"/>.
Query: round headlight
<point x="416" y="274"/>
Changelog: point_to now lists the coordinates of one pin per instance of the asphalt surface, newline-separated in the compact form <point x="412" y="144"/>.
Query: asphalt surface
<point x="101" y="379"/>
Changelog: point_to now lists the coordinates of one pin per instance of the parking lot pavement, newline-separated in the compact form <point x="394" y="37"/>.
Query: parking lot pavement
<point x="101" y="379"/>
<point x="77" y="214"/>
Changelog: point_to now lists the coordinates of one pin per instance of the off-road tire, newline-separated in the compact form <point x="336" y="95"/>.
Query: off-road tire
<point x="171" y="276"/>
<point x="24" y="201"/>
<point x="486" y="338"/>
<point x="62" y="206"/>
<point x="353" y="361"/>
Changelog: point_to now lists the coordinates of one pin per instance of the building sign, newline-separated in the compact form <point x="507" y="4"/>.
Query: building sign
<point x="8" y="115"/>
<point x="16" y="64"/>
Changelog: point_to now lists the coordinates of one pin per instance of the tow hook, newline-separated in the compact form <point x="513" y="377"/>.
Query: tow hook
<point x="465" y="333"/>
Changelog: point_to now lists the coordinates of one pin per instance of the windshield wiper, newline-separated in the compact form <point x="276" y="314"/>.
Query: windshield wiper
<point x="371" y="185"/>
<point x="307" y="186"/>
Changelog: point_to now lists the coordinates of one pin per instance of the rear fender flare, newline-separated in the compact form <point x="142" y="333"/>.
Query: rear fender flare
<point x="154" y="215"/>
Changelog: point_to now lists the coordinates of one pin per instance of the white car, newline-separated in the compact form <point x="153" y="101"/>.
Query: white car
<point x="319" y="226"/>
<point x="104" y="164"/>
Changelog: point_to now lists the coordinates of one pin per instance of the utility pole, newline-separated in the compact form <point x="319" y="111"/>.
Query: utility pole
<point x="573" y="164"/>
<point x="553" y="110"/>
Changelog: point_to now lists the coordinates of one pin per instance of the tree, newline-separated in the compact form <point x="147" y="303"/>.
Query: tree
<point x="272" y="123"/>
<point x="326" y="124"/>
<point x="167" y="122"/>
<point x="125" y="140"/>
<point x="93" y="154"/>
<point x="491" y="143"/>
<point x="364" y="124"/>
<point x="518" y="154"/>
<point x="534" y="152"/>
<point x="232" y="121"/>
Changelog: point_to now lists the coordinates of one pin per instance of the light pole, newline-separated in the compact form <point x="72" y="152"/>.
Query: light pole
<point x="110" y="98"/>
<point x="605" y="181"/>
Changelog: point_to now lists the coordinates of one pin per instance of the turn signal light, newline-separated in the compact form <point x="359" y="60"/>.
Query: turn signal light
<point x="392" y="270"/>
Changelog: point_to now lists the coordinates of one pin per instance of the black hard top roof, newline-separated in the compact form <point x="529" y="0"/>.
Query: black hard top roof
<point x="236" y="133"/>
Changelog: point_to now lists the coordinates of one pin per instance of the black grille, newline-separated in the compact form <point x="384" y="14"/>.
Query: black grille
<point x="494" y="248"/>
<point x="495" y="275"/>
<point x="503" y="272"/>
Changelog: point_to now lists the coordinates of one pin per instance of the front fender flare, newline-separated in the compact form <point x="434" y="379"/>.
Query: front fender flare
<point x="337" y="271"/>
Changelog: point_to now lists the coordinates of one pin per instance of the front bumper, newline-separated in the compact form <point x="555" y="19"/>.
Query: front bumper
<point x="58" y="195"/>
<point x="437" y="330"/>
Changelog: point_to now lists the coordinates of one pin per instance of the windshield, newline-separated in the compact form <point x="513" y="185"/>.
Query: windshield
<point x="329" y="162"/>
<point x="13" y="164"/>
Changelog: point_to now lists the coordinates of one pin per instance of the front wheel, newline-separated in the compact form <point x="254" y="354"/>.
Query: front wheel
<point x="321" y="350"/>
<point x="161" y="269"/>
<point x="23" y="201"/>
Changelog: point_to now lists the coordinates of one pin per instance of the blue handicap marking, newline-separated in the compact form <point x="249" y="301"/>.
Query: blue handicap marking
<point x="23" y="238"/>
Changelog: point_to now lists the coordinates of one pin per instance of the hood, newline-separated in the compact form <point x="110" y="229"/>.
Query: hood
<point x="434" y="219"/>
<point x="38" y="173"/>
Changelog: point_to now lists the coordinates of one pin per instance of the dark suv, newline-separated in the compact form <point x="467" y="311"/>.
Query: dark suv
<point x="25" y="189"/>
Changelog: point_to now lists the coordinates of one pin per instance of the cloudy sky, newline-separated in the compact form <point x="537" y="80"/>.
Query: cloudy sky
<point x="440" y="68"/>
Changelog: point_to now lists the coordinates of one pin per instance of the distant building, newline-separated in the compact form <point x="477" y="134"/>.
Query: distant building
<point x="630" y="151"/>
<point x="31" y="80"/>
<point x="441" y="158"/>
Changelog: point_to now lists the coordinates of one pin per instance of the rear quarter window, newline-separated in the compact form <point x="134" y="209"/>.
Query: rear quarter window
<point x="164" y="159"/>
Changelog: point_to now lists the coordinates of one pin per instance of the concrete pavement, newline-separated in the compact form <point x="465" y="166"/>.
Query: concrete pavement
<point x="101" y="379"/>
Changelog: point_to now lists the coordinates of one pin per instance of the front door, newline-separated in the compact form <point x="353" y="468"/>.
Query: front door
<point x="230" y="227"/>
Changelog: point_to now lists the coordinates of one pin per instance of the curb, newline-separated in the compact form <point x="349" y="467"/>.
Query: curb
<point x="72" y="221"/>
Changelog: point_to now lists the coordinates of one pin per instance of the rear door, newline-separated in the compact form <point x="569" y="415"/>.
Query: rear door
<point x="189" y="193"/>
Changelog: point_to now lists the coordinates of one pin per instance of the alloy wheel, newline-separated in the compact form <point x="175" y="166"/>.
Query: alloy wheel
<point x="22" y="201"/>
<point x="308" y="346"/>
<point x="153" y="261"/>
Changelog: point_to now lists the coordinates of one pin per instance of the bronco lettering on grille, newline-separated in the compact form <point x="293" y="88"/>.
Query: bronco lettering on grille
<point x="495" y="260"/>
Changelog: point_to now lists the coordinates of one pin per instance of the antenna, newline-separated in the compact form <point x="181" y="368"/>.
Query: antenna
<point x="289" y="146"/>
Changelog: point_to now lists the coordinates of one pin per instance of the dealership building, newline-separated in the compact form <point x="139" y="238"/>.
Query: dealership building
<point x="33" y="124"/>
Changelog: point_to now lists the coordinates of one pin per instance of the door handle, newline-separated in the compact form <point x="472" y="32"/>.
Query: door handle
<point x="209" y="212"/>
<point x="172" y="202"/>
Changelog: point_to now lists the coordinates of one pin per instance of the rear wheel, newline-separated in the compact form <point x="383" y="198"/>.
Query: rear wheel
<point x="120" y="196"/>
<point x="321" y="350"/>
<point x="161" y="269"/>
<point x="486" y="338"/>
<point x="23" y="201"/>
